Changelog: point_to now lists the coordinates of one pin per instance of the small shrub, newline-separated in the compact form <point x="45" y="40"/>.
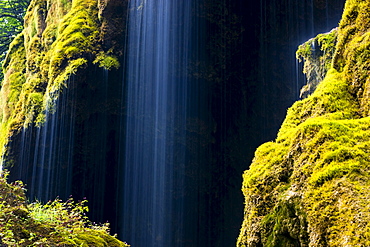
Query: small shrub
<point x="55" y="223"/>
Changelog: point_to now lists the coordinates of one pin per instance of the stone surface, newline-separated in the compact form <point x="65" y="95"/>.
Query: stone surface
<point x="310" y="186"/>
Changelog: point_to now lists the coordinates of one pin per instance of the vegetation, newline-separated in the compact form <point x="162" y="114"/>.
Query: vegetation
<point x="310" y="187"/>
<point x="56" y="223"/>
<point x="11" y="24"/>
<point x="317" y="54"/>
<point x="59" y="39"/>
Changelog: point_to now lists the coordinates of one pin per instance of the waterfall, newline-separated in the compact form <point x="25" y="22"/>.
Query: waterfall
<point x="158" y="146"/>
<point x="72" y="152"/>
<point x="46" y="158"/>
<point x="155" y="111"/>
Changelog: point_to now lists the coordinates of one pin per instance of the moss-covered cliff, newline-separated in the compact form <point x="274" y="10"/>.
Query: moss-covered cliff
<point x="317" y="54"/>
<point x="60" y="38"/>
<point x="310" y="187"/>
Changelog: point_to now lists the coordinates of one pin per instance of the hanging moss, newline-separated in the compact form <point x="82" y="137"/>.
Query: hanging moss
<point x="353" y="50"/>
<point x="317" y="54"/>
<point x="59" y="39"/>
<point x="310" y="187"/>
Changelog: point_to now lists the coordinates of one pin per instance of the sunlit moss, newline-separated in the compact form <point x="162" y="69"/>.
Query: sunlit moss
<point x="59" y="38"/>
<point x="16" y="53"/>
<point x="55" y="223"/>
<point x="353" y="50"/>
<point x="322" y="141"/>
<point x="317" y="54"/>
<point x="311" y="186"/>
<point x="331" y="100"/>
<point x="107" y="61"/>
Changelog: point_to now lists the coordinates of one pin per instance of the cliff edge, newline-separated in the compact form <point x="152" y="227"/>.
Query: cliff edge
<point x="311" y="186"/>
<point x="60" y="39"/>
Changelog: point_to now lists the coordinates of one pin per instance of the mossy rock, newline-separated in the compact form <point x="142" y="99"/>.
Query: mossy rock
<point x="97" y="238"/>
<point x="54" y="224"/>
<point x="61" y="38"/>
<point x="310" y="186"/>
<point x="317" y="54"/>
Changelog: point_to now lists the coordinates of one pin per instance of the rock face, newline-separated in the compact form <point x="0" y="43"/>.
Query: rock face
<point x="60" y="39"/>
<point x="310" y="187"/>
<point x="317" y="54"/>
<point x="58" y="97"/>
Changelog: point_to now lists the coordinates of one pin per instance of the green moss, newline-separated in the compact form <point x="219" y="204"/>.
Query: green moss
<point x="60" y="38"/>
<point x="49" y="36"/>
<point x="96" y="238"/>
<point x="323" y="141"/>
<point x="317" y="54"/>
<point x="16" y="52"/>
<point x="310" y="187"/>
<point x="56" y="223"/>
<point x="16" y="79"/>
<point x="284" y="226"/>
<point x="352" y="55"/>
<point x="107" y="61"/>
<point x="331" y="100"/>
<point x="267" y="159"/>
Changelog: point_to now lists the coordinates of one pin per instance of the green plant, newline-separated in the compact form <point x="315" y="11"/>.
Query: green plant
<point x="55" y="223"/>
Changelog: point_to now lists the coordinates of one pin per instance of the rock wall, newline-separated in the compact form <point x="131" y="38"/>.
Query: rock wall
<point x="310" y="187"/>
<point x="317" y="54"/>
<point x="60" y="38"/>
<point x="61" y="102"/>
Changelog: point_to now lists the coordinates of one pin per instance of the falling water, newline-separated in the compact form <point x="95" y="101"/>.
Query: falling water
<point x="163" y="161"/>
<point x="45" y="161"/>
<point x="70" y="153"/>
<point x="156" y="111"/>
